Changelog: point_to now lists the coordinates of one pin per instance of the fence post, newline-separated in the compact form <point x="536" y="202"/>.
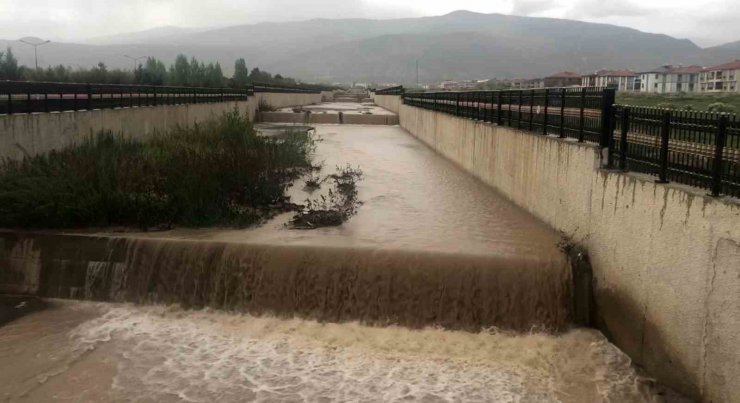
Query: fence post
<point x="623" y="139"/>
<point x="10" y="104"/>
<point x="28" y="101"/>
<point x="46" y="101"/>
<point x="582" y="121"/>
<point x="719" y="147"/>
<point x="89" y="97"/>
<point x="531" y="110"/>
<point x="457" y="104"/>
<point x="544" y="118"/>
<point x="154" y="91"/>
<point x="665" y="135"/>
<point x="607" y="105"/>
<point x="562" y="113"/>
<point x="499" y="119"/>
<point x="519" y="115"/>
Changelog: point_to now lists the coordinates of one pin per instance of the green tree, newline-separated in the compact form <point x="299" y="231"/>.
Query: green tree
<point x="241" y="73"/>
<point x="9" y="66"/>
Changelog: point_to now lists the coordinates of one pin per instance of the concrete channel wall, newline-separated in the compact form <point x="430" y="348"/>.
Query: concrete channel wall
<point x="390" y="102"/>
<point x="666" y="258"/>
<point x="32" y="134"/>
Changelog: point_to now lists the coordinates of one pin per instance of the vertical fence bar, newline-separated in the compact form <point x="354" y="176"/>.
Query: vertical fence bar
<point x="154" y="101"/>
<point x="582" y="122"/>
<point x="720" y="140"/>
<point x="531" y="110"/>
<point x="499" y="118"/>
<point x="89" y="97"/>
<point x="544" y="117"/>
<point x="46" y="101"/>
<point x="519" y="115"/>
<point x="607" y="104"/>
<point x="10" y="103"/>
<point x="28" y="101"/>
<point x="457" y="104"/>
<point x="623" y="139"/>
<point x="562" y="113"/>
<point x="665" y="134"/>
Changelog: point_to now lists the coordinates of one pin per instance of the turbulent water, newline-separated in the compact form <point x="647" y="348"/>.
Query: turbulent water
<point x="87" y="352"/>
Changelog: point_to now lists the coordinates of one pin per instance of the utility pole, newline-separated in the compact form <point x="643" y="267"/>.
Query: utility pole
<point x="417" y="72"/>
<point x="35" y="49"/>
<point x="135" y="59"/>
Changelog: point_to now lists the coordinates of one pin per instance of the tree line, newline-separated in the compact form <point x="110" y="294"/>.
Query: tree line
<point x="183" y="72"/>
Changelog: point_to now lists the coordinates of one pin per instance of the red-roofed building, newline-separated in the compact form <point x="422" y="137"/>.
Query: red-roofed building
<point x="671" y="79"/>
<point x="720" y="78"/>
<point x="563" y="79"/>
<point x="621" y="80"/>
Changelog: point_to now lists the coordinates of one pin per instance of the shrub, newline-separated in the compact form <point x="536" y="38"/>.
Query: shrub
<point x="218" y="172"/>
<point x="720" y="107"/>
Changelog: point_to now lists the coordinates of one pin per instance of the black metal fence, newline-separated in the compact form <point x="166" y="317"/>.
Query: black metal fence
<point x="580" y="113"/>
<point x="695" y="148"/>
<point x="398" y="90"/>
<point x="30" y="97"/>
<point x="261" y="87"/>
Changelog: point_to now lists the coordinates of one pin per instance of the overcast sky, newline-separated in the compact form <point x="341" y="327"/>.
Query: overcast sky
<point x="706" y="22"/>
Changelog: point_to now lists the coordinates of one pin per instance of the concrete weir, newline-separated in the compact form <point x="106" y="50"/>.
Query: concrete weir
<point x="666" y="258"/>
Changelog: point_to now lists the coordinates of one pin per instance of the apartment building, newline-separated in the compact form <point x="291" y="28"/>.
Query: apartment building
<point x="720" y="78"/>
<point x="527" y="83"/>
<point x="671" y="79"/>
<point x="621" y="80"/>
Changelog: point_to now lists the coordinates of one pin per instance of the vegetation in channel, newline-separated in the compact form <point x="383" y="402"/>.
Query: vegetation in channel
<point x="334" y="208"/>
<point x="216" y="173"/>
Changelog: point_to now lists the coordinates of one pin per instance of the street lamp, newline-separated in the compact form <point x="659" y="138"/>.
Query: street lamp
<point x="35" y="49"/>
<point x="135" y="59"/>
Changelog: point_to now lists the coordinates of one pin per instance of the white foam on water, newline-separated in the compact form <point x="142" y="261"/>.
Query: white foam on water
<point x="170" y="354"/>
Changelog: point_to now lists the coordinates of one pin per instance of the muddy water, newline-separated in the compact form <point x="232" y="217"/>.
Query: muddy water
<point x="85" y="352"/>
<point x="413" y="199"/>
<point x="430" y="246"/>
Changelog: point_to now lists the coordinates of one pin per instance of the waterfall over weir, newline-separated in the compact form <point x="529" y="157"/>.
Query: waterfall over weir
<point x="330" y="284"/>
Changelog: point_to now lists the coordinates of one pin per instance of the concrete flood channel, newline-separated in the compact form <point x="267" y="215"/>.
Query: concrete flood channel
<point x="438" y="289"/>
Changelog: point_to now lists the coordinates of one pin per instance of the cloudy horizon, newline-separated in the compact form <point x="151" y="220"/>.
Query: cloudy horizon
<point x="708" y="23"/>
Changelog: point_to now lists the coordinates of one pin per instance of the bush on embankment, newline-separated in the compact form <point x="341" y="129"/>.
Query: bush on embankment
<point x="217" y="172"/>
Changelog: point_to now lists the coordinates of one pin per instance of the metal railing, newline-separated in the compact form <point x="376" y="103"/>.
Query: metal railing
<point x="398" y="90"/>
<point x="700" y="149"/>
<point x="18" y="97"/>
<point x="580" y="113"/>
<point x="261" y="87"/>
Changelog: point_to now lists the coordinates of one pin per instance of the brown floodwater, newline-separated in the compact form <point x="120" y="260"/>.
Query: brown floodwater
<point x="95" y="352"/>
<point x="430" y="247"/>
<point x="413" y="199"/>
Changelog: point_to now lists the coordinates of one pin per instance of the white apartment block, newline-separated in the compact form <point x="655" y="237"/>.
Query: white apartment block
<point x="621" y="80"/>
<point x="671" y="80"/>
<point x="721" y="78"/>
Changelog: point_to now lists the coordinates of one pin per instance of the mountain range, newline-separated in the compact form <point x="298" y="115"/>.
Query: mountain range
<point x="459" y="45"/>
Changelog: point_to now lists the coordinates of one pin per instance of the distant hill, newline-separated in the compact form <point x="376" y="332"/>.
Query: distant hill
<point x="459" y="45"/>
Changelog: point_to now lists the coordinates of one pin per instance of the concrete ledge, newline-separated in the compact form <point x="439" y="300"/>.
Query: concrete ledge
<point x="666" y="258"/>
<point x="335" y="284"/>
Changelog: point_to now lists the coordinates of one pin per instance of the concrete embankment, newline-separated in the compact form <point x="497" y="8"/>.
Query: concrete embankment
<point x="32" y="134"/>
<point x="391" y="102"/>
<point x="666" y="258"/>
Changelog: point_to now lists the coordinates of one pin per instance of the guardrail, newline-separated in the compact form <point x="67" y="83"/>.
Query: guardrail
<point x="580" y="113"/>
<point x="29" y="97"/>
<point x="695" y="148"/>
<point x="261" y="87"/>
<point x="398" y="90"/>
<point x="18" y="97"/>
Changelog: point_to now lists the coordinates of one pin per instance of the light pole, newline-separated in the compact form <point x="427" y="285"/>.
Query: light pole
<point x="135" y="59"/>
<point x="35" y="49"/>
